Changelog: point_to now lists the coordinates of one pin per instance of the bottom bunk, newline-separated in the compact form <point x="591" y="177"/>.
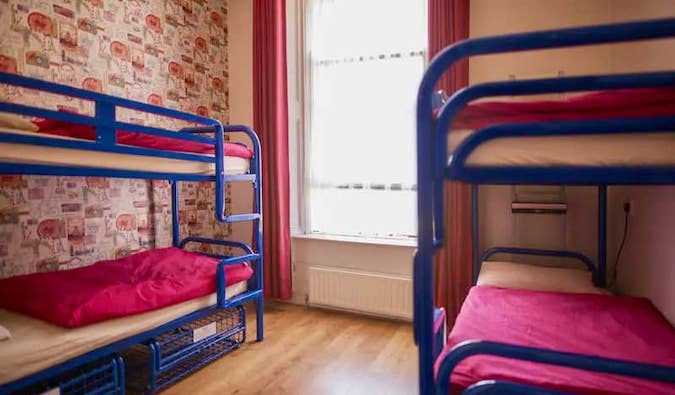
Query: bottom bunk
<point x="58" y="321"/>
<point x="36" y="345"/>
<point x="596" y="324"/>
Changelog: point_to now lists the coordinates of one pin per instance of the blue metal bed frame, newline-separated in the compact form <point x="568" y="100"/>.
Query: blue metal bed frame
<point x="433" y="168"/>
<point x="106" y="125"/>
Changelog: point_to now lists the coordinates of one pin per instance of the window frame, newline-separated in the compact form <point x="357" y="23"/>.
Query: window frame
<point x="299" y="81"/>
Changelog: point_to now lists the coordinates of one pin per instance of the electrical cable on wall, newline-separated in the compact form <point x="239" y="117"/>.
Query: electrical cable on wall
<point x="626" y="210"/>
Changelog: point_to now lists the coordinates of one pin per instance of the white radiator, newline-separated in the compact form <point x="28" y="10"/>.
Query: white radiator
<point x="373" y="293"/>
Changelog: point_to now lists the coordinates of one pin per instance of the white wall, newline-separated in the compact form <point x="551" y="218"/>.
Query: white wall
<point x="240" y="18"/>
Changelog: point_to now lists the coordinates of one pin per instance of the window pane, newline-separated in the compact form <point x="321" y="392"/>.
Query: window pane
<point x="364" y="212"/>
<point x="362" y="121"/>
<point x="346" y="28"/>
<point x="367" y="59"/>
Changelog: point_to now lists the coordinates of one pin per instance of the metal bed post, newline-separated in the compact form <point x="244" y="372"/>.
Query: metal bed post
<point x="601" y="273"/>
<point x="475" y="228"/>
<point x="175" y="224"/>
<point x="105" y="117"/>
<point x="256" y="161"/>
<point x="423" y="264"/>
<point x="255" y="217"/>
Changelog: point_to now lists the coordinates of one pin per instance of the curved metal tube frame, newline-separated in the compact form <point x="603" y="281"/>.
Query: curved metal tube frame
<point x="469" y="348"/>
<point x="430" y="145"/>
<point x="531" y="251"/>
<point x="492" y="387"/>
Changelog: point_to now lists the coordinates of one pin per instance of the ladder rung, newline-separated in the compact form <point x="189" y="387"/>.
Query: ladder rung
<point x="241" y="217"/>
<point x="240" y="177"/>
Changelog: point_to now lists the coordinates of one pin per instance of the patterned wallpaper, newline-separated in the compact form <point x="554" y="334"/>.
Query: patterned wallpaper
<point x="166" y="52"/>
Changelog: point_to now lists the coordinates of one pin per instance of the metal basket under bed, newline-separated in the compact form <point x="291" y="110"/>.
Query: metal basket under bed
<point x="103" y="377"/>
<point x="171" y="356"/>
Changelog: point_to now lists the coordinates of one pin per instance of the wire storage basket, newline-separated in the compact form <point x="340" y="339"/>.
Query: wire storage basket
<point x="103" y="377"/>
<point x="171" y="356"/>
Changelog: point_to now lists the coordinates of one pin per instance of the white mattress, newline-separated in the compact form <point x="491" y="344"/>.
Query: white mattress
<point x="536" y="278"/>
<point x="649" y="149"/>
<point x="36" y="345"/>
<point x="34" y="154"/>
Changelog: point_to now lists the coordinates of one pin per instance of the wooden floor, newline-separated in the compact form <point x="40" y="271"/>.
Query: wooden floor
<point x="310" y="351"/>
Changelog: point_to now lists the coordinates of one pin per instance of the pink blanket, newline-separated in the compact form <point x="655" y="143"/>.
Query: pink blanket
<point x="602" y="325"/>
<point x="78" y="131"/>
<point x="596" y="105"/>
<point x="116" y="288"/>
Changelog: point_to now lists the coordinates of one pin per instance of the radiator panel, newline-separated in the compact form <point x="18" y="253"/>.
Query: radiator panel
<point x="373" y="293"/>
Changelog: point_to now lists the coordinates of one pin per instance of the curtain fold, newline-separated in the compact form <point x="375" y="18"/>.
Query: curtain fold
<point x="270" y="120"/>
<point x="449" y="23"/>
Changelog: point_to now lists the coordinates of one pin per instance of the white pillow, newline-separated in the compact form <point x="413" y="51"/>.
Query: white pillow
<point x="537" y="278"/>
<point x="14" y="121"/>
<point x="4" y="333"/>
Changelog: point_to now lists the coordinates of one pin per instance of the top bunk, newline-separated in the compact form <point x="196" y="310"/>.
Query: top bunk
<point x="622" y="132"/>
<point x="60" y="142"/>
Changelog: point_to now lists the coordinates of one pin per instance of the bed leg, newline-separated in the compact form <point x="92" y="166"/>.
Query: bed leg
<point x="259" y="317"/>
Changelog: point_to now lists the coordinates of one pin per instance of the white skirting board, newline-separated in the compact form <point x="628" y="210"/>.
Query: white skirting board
<point x="373" y="293"/>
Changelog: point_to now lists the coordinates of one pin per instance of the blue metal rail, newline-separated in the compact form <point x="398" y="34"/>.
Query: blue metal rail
<point x="470" y="348"/>
<point x="535" y="252"/>
<point x="106" y="128"/>
<point x="433" y="167"/>
<point x="492" y="387"/>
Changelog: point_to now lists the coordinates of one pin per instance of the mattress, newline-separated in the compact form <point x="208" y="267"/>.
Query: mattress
<point x="644" y="149"/>
<point x="536" y="278"/>
<point x="36" y="345"/>
<point x="654" y="149"/>
<point x="53" y="156"/>
<point x="617" y="327"/>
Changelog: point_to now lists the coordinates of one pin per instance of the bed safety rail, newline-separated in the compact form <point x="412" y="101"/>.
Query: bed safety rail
<point x="105" y="123"/>
<point x="206" y="240"/>
<point x="520" y="88"/>
<point x="493" y="387"/>
<point x="470" y="348"/>
<point x="577" y="175"/>
<point x="588" y="263"/>
<point x="220" y="281"/>
<point x="250" y="256"/>
<point x="434" y="168"/>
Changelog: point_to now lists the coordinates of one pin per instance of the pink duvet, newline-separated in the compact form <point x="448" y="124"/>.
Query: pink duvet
<point x="85" y="132"/>
<point x="134" y="284"/>
<point x="603" y="325"/>
<point x="623" y="103"/>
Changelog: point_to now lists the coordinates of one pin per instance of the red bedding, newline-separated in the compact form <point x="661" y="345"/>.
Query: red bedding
<point x="74" y="130"/>
<point x="110" y="289"/>
<point x="604" y="325"/>
<point x="596" y="105"/>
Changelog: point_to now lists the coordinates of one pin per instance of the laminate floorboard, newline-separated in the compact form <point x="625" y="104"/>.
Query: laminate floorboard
<point x="312" y="351"/>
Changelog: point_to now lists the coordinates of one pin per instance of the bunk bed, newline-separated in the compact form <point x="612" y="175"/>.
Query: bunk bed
<point x="69" y="144"/>
<point x="570" y="336"/>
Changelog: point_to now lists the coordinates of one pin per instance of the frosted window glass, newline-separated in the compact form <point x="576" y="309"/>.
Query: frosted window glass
<point x="366" y="61"/>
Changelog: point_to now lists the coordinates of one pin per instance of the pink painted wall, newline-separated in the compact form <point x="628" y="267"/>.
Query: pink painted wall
<point x="647" y="265"/>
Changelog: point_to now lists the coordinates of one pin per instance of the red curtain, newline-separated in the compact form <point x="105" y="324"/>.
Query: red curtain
<point x="448" y="23"/>
<point x="270" y="120"/>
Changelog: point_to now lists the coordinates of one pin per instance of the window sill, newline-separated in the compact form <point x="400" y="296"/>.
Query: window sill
<point x="357" y="240"/>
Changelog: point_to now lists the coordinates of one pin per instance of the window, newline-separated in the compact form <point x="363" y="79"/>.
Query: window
<point x="364" y="62"/>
